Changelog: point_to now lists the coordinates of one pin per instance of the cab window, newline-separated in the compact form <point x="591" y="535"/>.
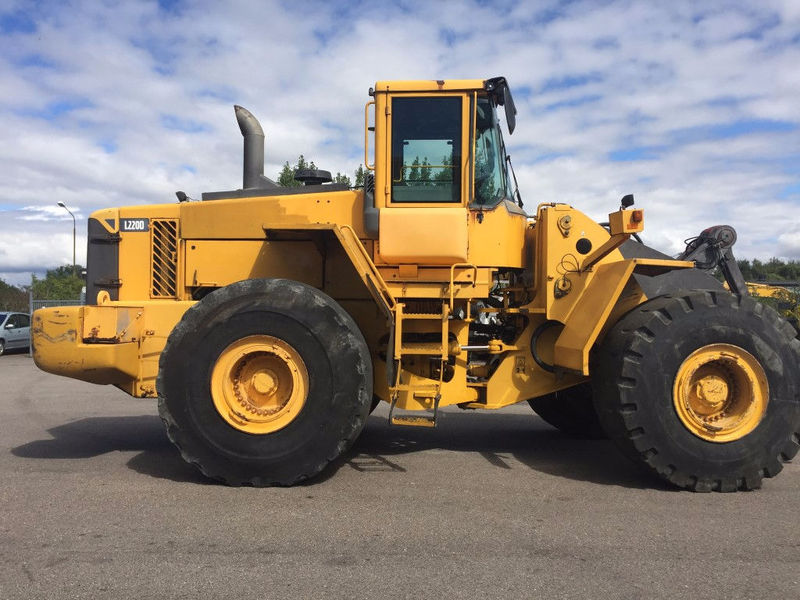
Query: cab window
<point x="491" y="176"/>
<point x="426" y="149"/>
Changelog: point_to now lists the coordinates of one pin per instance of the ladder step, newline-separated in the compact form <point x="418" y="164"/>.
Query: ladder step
<point x="429" y="390"/>
<point x="414" y="420"/>
<point x="423" y="316"/>
<point x="434" y="349"/>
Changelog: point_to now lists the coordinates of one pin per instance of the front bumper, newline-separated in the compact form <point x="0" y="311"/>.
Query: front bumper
<point x="108" y="344"/>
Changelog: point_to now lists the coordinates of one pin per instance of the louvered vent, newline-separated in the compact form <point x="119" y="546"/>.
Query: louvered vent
<point x="164" y="269"/>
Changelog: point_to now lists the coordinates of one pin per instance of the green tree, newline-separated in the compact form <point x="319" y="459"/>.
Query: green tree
<point x="13" y="298"/>
<point x="286" y="176"/>
<point x="360" y="176"/>
<point x="413" y="174"/>
<point x="446" y="172"/>
<point x="773" y="270"/>
<point x="342" y="178"/>
<point x="58" y="284"/>
<point x="425" y="171"/>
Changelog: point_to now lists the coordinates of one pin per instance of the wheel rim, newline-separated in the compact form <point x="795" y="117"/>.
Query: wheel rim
<point x="259" y="384"/>
<point x="721" y="393"/>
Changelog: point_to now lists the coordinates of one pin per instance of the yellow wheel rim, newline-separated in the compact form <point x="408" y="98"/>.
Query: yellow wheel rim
<point x="721" y="393"/>
<point x="259" y="384"/>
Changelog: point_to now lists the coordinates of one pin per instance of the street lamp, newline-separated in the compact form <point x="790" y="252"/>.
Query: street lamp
<point x="64" y="206"/>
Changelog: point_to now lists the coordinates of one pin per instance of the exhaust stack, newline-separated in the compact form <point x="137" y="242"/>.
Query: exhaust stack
<point x="253" y="163"/>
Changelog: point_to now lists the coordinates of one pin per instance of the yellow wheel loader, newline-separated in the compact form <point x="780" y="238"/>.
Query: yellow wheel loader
<point x="269" y="321"/>
<point x="786" y="301"/>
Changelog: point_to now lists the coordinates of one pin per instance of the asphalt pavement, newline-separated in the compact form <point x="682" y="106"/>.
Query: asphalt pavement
<point x="96" y="503"/>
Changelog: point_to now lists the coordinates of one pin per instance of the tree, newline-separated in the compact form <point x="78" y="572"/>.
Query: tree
<point x="413" y="174"/>
<point x="425" y="171"/>
<point x="13" y="298"/>
<point x="286" y="176"/>
<point x="58" y="284"/>
<point x="773" y="270"/>
<point x="446" y="172"/>
<point x="360" y="176"/>
<point x="342" y="178"/>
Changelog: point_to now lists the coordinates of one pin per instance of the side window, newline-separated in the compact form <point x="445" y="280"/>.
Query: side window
<point x="13" y="321"/>
<point x="24" y="320"/>
<point x="490" y="172"/>
<point x="426" y="149"/>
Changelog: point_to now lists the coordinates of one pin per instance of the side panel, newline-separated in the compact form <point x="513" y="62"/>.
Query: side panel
<point x="497" y="237"/>
<point x="247" y="218"/>
<point x="427" y="236"/>
<point x="214" y="263"/>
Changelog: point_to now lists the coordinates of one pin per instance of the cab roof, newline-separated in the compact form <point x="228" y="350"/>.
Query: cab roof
<point x="430" y="85"/>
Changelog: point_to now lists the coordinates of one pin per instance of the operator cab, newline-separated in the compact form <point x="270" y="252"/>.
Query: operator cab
<point x="441" y="169"/>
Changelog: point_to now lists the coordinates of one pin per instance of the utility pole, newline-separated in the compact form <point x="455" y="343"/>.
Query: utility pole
<point x="64" y="206"/>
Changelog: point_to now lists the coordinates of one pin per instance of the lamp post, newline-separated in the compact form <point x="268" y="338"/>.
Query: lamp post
<point x="64" y="206"/>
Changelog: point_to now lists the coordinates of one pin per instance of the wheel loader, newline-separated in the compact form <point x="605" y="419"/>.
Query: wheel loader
<point x="269" y="321"/>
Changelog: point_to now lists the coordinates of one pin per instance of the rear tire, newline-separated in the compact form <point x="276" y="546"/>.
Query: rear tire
<point x="570" y="411"/>
<point x="702" y="389"/>
<point x="264" y="382"/>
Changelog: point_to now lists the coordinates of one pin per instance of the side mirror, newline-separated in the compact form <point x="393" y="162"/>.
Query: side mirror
<point x="511" y="110"/>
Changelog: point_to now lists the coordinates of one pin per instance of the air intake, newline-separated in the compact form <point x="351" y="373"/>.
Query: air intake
<point x="164" y="252"/>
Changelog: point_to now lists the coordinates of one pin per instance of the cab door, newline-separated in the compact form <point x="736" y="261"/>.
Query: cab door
<point x="425" y="218"/>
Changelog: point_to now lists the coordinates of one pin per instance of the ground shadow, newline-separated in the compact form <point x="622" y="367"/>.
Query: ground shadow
<point x="499" y="436"/>
<point x="496" y="436"/>
<point x="94" y="436"/>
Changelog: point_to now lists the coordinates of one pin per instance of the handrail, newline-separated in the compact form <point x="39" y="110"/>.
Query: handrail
<point x="366" y="136"/>
<point x="371" y="272"/>
<point x="453" y="268"/>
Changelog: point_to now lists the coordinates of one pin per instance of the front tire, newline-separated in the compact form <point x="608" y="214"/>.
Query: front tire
<point x="264" y="382"/>
<point x="702" y="389"/>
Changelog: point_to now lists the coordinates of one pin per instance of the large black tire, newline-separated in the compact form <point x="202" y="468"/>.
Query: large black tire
<point x="635" y="373"/>
<point x="570" y="411"/>
<point x="339" y="382"/>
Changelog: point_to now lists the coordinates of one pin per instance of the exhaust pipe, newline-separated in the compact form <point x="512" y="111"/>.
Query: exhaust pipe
<point x="253" y="164"/>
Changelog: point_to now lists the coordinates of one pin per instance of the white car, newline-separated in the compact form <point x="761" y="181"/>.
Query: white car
<point x="15" y="331"/>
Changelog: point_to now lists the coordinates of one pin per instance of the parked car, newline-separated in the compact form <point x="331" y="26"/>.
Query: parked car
<point x="15" y="331"/>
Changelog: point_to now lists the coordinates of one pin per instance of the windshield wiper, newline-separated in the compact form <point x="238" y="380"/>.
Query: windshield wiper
<point x="516" y="185"/>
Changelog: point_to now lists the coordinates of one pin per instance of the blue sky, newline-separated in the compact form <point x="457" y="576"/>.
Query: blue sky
<point x="692" y="107"/>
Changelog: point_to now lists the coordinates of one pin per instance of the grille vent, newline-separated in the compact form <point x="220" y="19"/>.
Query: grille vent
<point x="164" y="240"/>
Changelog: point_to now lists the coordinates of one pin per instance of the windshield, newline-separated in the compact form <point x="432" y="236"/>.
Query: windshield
<point x="2" y="317"/>
<point x="491" y="176"/>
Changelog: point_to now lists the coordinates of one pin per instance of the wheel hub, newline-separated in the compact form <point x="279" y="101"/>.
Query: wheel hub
<point x="710" y="393"/>
<point x="720" y="393"/>
<point x="264" y="382"/>
<point x="259" y="384"/>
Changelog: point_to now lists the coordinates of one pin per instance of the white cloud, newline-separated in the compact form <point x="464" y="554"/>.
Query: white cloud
<point x="633" y="75"/>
